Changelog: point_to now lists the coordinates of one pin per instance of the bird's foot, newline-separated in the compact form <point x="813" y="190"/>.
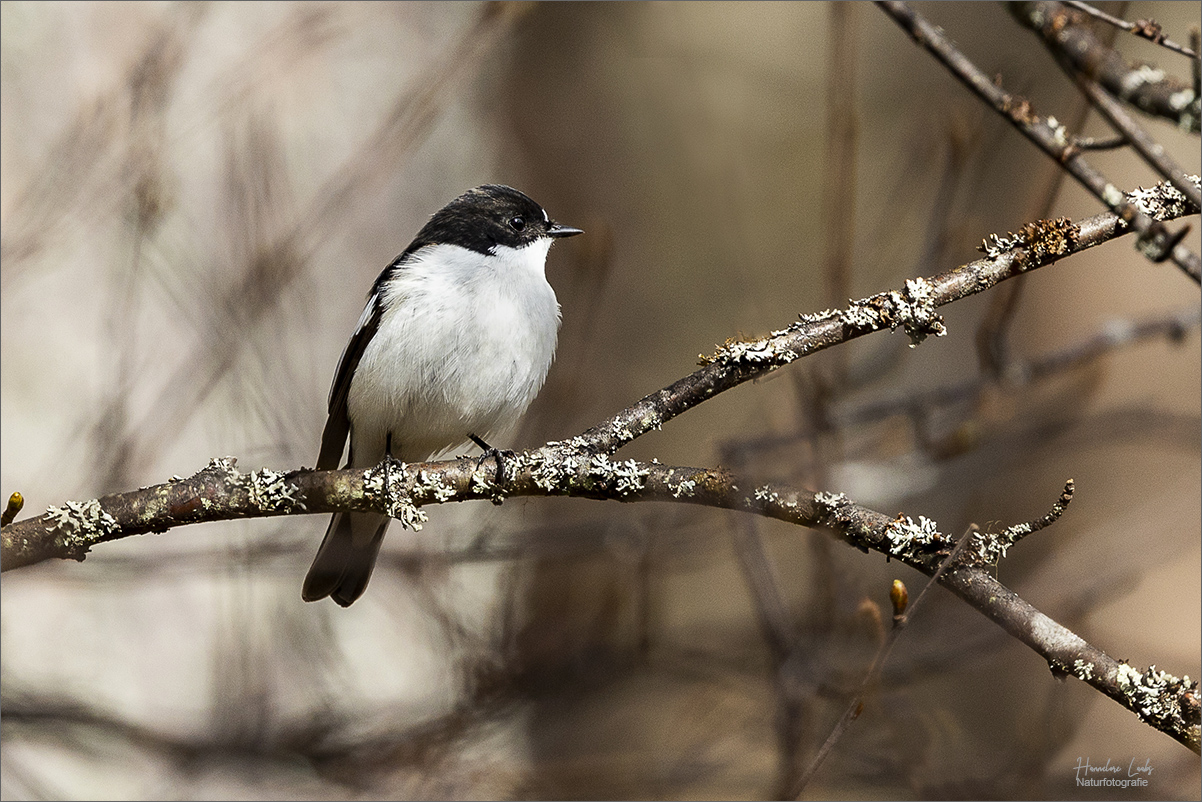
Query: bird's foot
<point x="501" y="455"/>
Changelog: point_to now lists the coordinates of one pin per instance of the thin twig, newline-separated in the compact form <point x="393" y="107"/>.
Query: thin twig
<point x="1094" y="143"/>
<point x="1052" y="516"/>
<point x="1145" y="29"/>
<point x="856" y="706"/>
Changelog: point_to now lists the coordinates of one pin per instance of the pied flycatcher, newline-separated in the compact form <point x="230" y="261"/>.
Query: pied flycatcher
<point x="455" y="342"/>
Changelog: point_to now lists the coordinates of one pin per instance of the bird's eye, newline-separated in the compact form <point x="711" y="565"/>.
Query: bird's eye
<point x="517" y="223"/>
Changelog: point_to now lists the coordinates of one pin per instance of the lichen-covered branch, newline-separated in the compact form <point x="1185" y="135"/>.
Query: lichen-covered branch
<point x="912" y="308"/>
<point x="220" y="492"/>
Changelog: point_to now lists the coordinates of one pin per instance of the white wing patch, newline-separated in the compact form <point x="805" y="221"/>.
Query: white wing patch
<point x="363" y="318"/>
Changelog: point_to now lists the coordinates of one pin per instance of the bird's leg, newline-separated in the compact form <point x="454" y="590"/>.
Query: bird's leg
<point x="388" y="461"/>
<point x="500" y="455"/>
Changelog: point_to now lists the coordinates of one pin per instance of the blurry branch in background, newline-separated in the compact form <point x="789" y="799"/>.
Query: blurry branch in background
<point x="47" y="715"/>
<point x="993" y="334"/>
<point x="277" y="252"/>
<point x="105" y="156"/>
<point x="903" y="610"/>
<point x="111" y="162"/>
<point x="1144" y="28"/>
<point x="581" y="467"/>
<point x="780" y="626"/>
<point x="1155" y="241"/>
<point x="839" y="187"/>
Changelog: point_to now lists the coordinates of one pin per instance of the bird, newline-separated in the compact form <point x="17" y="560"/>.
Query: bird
<point x="455" y="341"/>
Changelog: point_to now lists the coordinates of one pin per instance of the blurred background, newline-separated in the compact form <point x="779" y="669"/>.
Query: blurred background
<point x="196" y="198"/>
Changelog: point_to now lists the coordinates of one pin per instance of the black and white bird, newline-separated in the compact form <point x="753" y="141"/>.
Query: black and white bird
<point x="455" y="342"/>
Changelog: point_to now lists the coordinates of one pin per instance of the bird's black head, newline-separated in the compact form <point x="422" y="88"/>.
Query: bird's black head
<point x="487" y="216"/>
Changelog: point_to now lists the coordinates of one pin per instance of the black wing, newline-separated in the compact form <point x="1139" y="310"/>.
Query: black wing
<point x="338" y="424"/>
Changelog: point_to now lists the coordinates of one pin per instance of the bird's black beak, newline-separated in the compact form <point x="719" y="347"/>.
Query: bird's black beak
<point x="557" y="231"/>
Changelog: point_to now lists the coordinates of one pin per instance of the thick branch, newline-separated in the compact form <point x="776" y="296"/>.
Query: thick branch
<point x="220" y="492"/>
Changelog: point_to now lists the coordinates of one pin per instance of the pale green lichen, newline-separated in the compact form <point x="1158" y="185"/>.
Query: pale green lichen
<point x="270" y="491"/>
<point x="1153" y="694"/>
<point x="994" y="246"/>
<point x="764" y="495"/>
<point x="685" y="487"/>
<point x="481" y="483"/>
<point x="988" y="548"/>
<point x="860" y="316"/>
<point x="434" y="485"/>
<point x="1181" y="100"/>
<point x="830" y="500"/>
<point x="386" y="484"/>
<point x="1163" y="201"/>
<point x="910" y="540"/>
<point x="1059" y="132"/>
<point x="226" y="465"/>
<point x="913" y="310"/>
<point x="767" y="352"/>
<point x="79" y="524"/>
<point x="919" y="317"/>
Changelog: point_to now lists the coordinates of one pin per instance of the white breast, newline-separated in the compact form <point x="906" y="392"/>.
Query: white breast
<point x="463" y="347"/>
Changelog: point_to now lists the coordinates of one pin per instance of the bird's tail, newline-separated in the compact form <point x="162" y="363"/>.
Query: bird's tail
<point x="345" y="560"/>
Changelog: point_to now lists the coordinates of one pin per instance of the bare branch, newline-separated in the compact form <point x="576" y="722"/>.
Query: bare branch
<point x="1152" y="91"/>
<point x="912" y="309"/>
<point x="1155" y="241"/>
<point x="899" y="596"/>
<point x="1019" y="374"/>
<point x="1144" y="28"/>
<point x="220" y="492"/>
<point x="1094" y="143"/>
<point x="1153" y="153"/>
